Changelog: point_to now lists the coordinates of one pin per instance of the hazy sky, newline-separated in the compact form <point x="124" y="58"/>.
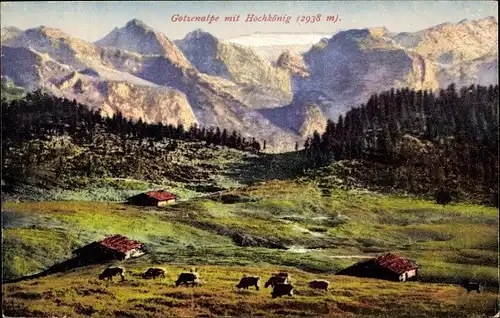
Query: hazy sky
<point x="92" y="20"/>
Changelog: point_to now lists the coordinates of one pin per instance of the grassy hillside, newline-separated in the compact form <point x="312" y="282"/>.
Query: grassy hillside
<point x="109" y="169"/>
<point x="281" y="222"/>
<point x="80" y="293"/>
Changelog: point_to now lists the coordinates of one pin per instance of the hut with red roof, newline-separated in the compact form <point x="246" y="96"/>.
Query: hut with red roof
<point x="388" y="266"/>
<point x="153" y="198"/>
<point x="115" y="247"/>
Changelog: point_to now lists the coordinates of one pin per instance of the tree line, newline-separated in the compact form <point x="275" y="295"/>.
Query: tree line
<point x="449" y="134"/>
<point x="41" y="114"/>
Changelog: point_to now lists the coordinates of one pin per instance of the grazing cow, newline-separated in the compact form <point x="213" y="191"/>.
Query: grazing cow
<point x="273" y="280"/>
<point x="247" y="281"/>
<point x="281" y="290"/>
<point x="470" y="286"/>
<point x="110" y="272"/>
<point x="319" y="284"/>
<point x="154" y="273"/>
<point x="188" y="279"/>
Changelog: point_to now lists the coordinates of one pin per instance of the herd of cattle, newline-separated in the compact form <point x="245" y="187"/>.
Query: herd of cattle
<point x="280" y="282"/>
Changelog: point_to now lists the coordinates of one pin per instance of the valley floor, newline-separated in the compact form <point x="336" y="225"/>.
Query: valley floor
<point x="277" y="225"/>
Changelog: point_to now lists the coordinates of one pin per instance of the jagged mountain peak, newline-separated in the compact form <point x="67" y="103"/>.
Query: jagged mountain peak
<point x="236" y="63"/>
<point x="136" y="23"/>
<point x="138" y="27"/>
<point x="352" y="34"/>
<point x="361" y="34"/>
<point x="137" y="37"/>
<point x="47" y="31"/>
<point x="466" y="40"/>
<point x="356" y="40"/>
<point x="58" y="45"/>
<point x="199" y="35"/>
<point x="378" y="31"/>
<point x="10" y="28"/>
<point x="32" y="37"/>
<point x="463" y="22"/>
<point x="10" y="32"/>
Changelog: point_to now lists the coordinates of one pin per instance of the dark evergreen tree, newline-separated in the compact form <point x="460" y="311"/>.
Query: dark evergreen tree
<point x="461" y="127"/>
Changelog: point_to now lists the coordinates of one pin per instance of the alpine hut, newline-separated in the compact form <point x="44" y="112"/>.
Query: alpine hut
<point x="111" y="248"/>
<point x="388" y="266"/>
<point x="153" y="198"/>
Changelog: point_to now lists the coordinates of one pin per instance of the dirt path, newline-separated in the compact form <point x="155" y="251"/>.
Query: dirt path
<point x="350" y="256"/>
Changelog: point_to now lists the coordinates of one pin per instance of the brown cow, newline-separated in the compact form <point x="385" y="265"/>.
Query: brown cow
<point x="154" y="273"/>
<point x="188" y="279"/>
<point x="247" y="281"/>
<point x="273" y="280"/>
<point x="110" y="272"/>
<point x="319" y="284"/>
<point x="470" y="286"/>
<point x="282" y="289"/>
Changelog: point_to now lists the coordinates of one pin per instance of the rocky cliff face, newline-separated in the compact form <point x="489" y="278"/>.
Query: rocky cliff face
<point x="293" y="63"/>
<point x="30" y="69"/>
<point x="482" y="71"/>
<point x="299" y="118"/>
<point x="152" y="103"/>
<point x="201" y="49"/>
<point x="464" y="53"/>
<point x="353" y="64"/>
<point x="239" y="65"/>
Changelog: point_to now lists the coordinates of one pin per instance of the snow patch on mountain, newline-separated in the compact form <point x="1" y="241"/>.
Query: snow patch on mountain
<point x="268" y="39"/>
<point x="270" y="46"/>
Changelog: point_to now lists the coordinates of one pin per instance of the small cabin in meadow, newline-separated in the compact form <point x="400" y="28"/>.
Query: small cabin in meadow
<point x="388" y="266"/>
<point x="116" y="247"/>
<point x="153" y="198"/>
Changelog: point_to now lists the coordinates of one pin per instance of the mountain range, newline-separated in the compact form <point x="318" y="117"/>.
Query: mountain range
<point x="201" y="79"/>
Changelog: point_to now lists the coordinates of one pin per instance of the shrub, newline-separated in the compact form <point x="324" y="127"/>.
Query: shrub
<point x="86" y="310"/>
<point x="443" y="197"/>
<point x="27" y="295"/>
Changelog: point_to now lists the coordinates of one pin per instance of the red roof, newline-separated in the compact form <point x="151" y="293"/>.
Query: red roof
<point x="395" y="263"/>
<point x="161" y="195"/>
<point x="120" y="243"/>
